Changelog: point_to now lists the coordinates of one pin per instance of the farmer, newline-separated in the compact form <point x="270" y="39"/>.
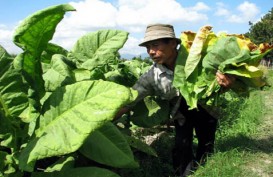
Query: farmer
<point x="161" y="45"/>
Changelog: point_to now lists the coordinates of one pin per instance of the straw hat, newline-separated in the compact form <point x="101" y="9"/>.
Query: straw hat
<point x="159" y="31"/>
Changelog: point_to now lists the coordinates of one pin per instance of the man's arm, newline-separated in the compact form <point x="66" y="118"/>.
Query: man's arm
<point x="144" y="88"/>
<point x="121" y="112"/>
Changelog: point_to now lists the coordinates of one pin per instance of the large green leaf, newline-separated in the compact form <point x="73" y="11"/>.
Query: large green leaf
<point x="85" y="74"/>
<point x="51" y="50"/>
<point x="140" y="145"/>
<point x="5" y="58"/>
<point x="225" y="50"/>
<point x="108" y="146"/>
<point x="70" y="114"/>
<point x="34" y="32"/>
<point x="33" y="35"/>
<point x="150" y="112"/>
<point x="118" y="77"/>
<point x="180" y="80"/>
<point x="59" y="74"/>
<point x="64" y="163"/>
<point x="228" y="56"/>
<point x="78" y="172"/>
<point x="194" y="56"/>
<point x="98" y="48"/>
<point x="13" y="91"/>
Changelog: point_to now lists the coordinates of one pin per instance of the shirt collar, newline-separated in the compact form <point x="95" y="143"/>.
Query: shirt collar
<point x="163" y="69"/>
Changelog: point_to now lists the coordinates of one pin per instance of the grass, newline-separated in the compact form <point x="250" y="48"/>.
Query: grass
<point x="243" y="148"/>
<point x="222" y="164"/>
<point x="244" y="141"/>
<point x="240" y="119"/>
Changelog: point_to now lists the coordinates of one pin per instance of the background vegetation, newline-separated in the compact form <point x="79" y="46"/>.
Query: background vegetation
<point x="262" y="31"/>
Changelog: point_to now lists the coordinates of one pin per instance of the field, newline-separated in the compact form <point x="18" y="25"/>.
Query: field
<point x="244" y="145"/>
<point x="56" y="118"/>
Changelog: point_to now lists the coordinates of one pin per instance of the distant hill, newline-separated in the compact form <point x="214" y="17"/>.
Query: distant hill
<point x="130" y="56"/>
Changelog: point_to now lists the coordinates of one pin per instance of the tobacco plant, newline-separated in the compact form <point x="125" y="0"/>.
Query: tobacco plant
<point x="57" y="106"/>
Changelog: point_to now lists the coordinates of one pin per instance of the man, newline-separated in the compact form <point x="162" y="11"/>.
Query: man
<point x="161" y="45"/>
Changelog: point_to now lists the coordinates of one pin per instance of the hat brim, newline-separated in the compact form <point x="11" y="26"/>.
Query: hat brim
<point x="144" y="43"/>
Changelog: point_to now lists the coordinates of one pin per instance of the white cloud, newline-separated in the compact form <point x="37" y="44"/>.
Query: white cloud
<point x="221" y="10"/>
<point x="128" y="15"/>
<point x="5" y="33"/>
<point x="200" y="6"/>
<point x="241" y="14"/>
<point x="132" y="4"/>
<point x="131" y="47"/>
<point x="132" y="16"/>
<point x="92" y="14"/>
<point x="153" y="11"/>
<point x="246" y="12"/>
<point x="6" y="40"/>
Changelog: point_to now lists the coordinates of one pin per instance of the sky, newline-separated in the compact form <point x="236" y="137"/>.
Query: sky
<point x="230" y="16"/>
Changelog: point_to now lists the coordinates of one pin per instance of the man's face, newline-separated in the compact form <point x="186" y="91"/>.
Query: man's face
<point x="161" y="52"/>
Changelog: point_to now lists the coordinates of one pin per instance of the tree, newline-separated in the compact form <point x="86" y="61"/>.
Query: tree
<point x="262" y="31"/>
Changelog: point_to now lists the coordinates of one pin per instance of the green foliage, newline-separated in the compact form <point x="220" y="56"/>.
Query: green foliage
<point x="243" y="142"/>
<point x="57" y="106"/>
<point x="239" y="118"/>
<point x="33" y="35"/>
<point x="84" y="171"/>
<point x="239" y="114"/>
<point x="11" y="83"/>
<point x="98" y="49"/>
<point x="222" y="164"/>
<point x="147" y="60"/>
<point x="81" y="108"/>
<point x="262" y="31"/>
<point x="108" y="146"/>
<point x="150" y="112"/>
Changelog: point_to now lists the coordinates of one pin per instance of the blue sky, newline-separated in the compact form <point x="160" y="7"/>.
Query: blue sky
<point x="231" y="16"/>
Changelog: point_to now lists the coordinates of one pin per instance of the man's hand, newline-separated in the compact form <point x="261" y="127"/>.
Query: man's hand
<point x="224" y="80"/>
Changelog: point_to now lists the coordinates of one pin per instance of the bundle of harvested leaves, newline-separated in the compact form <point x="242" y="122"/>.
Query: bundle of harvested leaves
<point x="204" y="53"/>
